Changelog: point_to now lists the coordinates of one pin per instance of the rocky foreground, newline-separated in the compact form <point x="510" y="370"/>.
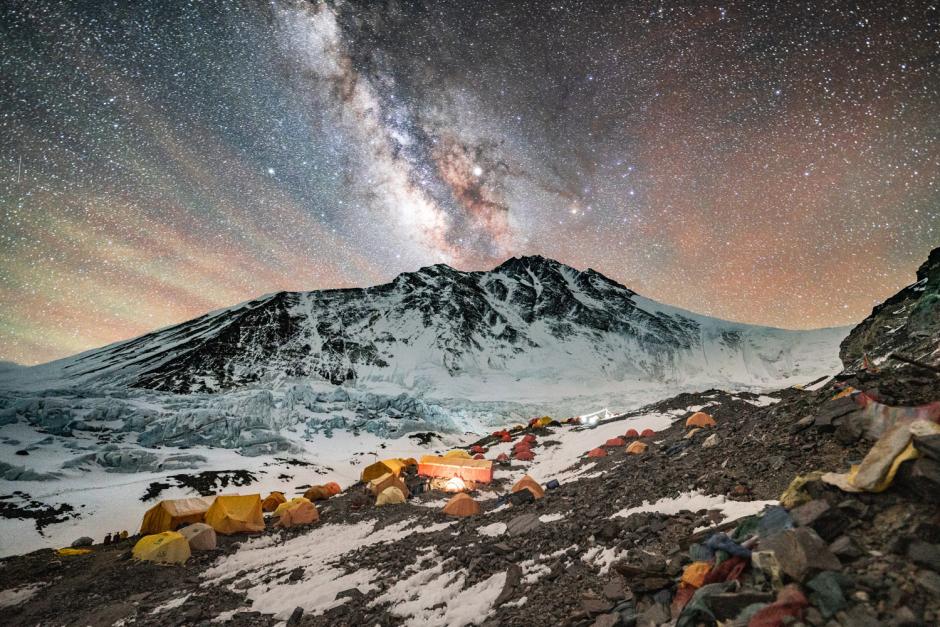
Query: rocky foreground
<point x="575" y="556"/>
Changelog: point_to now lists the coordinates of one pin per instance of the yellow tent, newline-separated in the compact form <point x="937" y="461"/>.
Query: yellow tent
<point x="168" y="547"/>
<point x="393" y="465"/>
<point x="234" y="513"/>
<point x="270" y="503"/>
<point x="388" y="480"/>
<point x="544" y="421"/>
<point x="390" y="496"/>
<point x="458" y="454"/>
<point x="283" y="507"/>
<point x="171" y="514"/>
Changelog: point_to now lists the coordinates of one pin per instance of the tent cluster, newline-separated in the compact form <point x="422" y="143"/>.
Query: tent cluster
<point x="522" y="450"/>
<point x="634" y="448"/>
<point x="174" y="528"/>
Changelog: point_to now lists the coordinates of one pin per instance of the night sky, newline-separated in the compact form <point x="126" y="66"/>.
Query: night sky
<point x="770" y="164"/>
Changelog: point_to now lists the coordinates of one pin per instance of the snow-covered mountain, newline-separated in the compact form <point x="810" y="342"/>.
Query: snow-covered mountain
<point x="438" y="330"/>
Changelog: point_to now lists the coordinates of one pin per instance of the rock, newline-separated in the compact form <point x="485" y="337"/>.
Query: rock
<point x="521" y="498"/>
<point x="522" y="524"/>
<point x="609" y="531"/>
<point x="827" y="521"/>
<point x="592" y="607"/>
<point x="656" y="614"/>
<point x="296" y="575"/>
<point x="858" y="616"/>
<point x="827" y="416"/>
<point x="608" y="620"/>
<point x="613" y="590"/>
<point x="728" y="605"/>
<point x="924" y="554"/>
<point x="801" y="553"/>
<point x="710" y="441"/>
<point x="296" y="616"/>
<point x="22" y="452"/>
<point x="82" y="542"/>
<point x="929" y="581"/>
<point x="845" y="548"/>
<point x="920" y="478"/>
<point x="513" y="577"/>
<point x="826" y="593"/>
<point x="350" y="593"/>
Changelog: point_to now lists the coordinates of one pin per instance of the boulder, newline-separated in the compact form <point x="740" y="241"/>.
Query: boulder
<point x="801" y="553"/>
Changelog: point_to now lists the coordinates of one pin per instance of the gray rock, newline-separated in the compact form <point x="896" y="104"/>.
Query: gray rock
<point x="296" y="616"/>
<point x="592" y="607"/>
<point x="845" y="548"/>
<point x="929" y="581"/>
<point x="513" y="576"/>
<point x="522" y="524"/>
<point x="614" y="590"/>
<point x="82" y="542"/>
<point x="608" y="620"/>
<point x="801" y="553"/>
<point x="925" y="554"/>
<point x="827" y="521"/>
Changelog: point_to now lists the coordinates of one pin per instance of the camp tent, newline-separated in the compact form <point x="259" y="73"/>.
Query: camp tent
<point x="631" y="433"/>
<point x="544" y="421"/>
<point x="597" y="452"/>
<point x="271" y="501"/>
<point x="171" y="514"/>
<point x="647" y="433"/>
<point x="283" y="507"/>
<point x="461" y="505"/>
<point x="524" y="456"/>
<point x="530" y="484"/>
<point x="479" y="456"/>
<point x="476" y="449"/>
<point x="637" y="448"/>
<point x="505" y="437"/>
<point x="529" y="438"/>
<point x="236" y="513"/>
<point x="615" y="442"/>
<point x="168" y="547"/>
<point x="298" y="512"/>
<point x="388" y="480"/>
<point x="201" y="537"/>
<point x="458" y="453"/>
<point x="476" y="470"/>
<point x="393" y="465"/>
<point x="502" y="457"/>
<point x="390" y="496"/>
<point x="318" y="493"/>
<point x="700" y="419"/>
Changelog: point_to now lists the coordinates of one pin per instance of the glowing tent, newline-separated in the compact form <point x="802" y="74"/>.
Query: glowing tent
<point x="476" y="470"/>
<point x="171" y="514"/>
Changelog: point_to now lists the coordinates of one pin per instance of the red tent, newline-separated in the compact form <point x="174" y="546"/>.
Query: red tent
<point x="597" y="452"/>
<point x="647" y="433"/>
<point x="615" y="442"/>
<point x="632" y="433"/>
<point x="529" y="438"/>
<point x="479" y="456"/>
<point x="502" y="457"/>
<point x="521" y="446"/>
<point x="476" y="448"/>
<point x="505" y="437"/>
<point x="525" y="456"/>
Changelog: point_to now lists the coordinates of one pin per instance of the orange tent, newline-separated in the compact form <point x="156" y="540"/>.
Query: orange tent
<point x="476" y="470"/>
<point x="647" y="433"/>
<point x="528" y="483"/>
<point x="700" y="419"/>
<point x="299" y="512"/>
<point x="461" y="505"/>
<point x="333" y="488"/>
<point x="171" y="514"/>
<point x="597" y="452"/>
<point x="637" y="448"/>
<point x="317" y="493"/>
<point x="270" y="503"/>
<point x="236" y="513"/>
<point x="632" y="433"/>
<point x="615" y="442"/>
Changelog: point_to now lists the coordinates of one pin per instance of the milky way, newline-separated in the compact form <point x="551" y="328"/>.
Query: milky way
<point x="770" y="164"/>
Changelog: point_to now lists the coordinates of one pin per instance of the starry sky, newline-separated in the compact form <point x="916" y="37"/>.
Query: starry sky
<point x="772" y="162"/>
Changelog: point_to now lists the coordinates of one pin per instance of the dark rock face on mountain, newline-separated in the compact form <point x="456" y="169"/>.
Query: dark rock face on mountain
<point x="529" y="318"/>
<point x="908" y="323"/>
